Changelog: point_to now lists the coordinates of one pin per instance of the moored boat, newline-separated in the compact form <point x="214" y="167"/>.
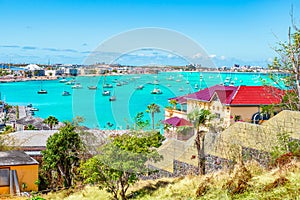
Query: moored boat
<point x="92" y="87"/>
<point x="156" y="91"/>
<point x="42" y="91"/>
<point x="107" y="85"/>
<point x="77" y="86"/>
<point x="106" y="93"/>
<point x="140" y="87"/>
<point x="66" y="93"/>
<point x="63" y="80"/>
<point x="112" y="98"/>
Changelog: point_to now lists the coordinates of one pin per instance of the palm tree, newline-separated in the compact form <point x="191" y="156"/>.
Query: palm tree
<point x="173" y="102"/>
<point x="200" y="119"/>
<point x="51" y="121"/>
<point x="153" y="108"/>
<point x="30" y="127"/>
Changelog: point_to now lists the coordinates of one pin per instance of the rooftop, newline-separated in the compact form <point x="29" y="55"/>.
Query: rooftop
<point x="236" y="95"/>
<point x="9" y="158"/>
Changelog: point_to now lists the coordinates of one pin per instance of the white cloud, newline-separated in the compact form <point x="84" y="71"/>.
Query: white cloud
<point x="197" y="55"/>
<point x="212" y="55"/>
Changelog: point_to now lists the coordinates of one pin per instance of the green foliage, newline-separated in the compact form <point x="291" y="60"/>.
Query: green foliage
<point x="51" y="121"/>
<point x="8" y="129"/>
<point x="288" y="63"/>
<point x="121" y="161"/>
<point x="200" y="119"/>
<point x="152" y="109"/>
<point x="37" y="198"/>
<point x="285" y="145"/>
<point x="173" y="102"/>
<point x="62" y="154"/>
<point x="30" y="127"/>
<point x="139" y="121"/>
<point x="17" y="112"/>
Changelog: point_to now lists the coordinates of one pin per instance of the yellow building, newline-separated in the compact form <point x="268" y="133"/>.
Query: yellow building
<point x="18" y="172"/>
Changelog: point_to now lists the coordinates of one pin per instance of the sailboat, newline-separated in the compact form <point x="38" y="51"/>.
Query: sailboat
<point x="42" y="91"/>
<point x="105" y="92"/>
<point x="113" y="97"/>
<point x="92" y="87"/>
<point x="66" y="93"/>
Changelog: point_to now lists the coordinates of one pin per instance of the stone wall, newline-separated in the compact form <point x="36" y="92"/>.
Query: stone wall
<point x="262" y="157"/>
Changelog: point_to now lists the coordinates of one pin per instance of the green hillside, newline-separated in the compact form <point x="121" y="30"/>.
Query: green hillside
<point x="249" y="182"/>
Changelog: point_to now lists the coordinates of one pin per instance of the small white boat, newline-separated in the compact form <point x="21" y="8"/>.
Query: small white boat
<point x="156" y="82"/>
<point x="107" y="85"/>
<point x="156" y="91"/>
<point x="118" y="84"/>
<point x="106" y="93"/>
<point x="140" y="87"/>
<point x="42" y="91"/>
<point x="196" y="86"/>
<point x="178" y="80"/>
<point x="63" y="80"/>
<point x="187" y="82"/>
<point x="170" y="78"/>
<point x="112" y="98"/>
<point x="92" y="87"/>
<point x="66" y="93"/>
<point x="181" y="89"/>
<point x="34" y="109"/>
<point x="169" y="85"/>
<point x="77" y="86"/>
<point x="71" y="82"/>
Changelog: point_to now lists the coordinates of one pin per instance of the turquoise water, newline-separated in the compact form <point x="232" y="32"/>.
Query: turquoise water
<point x="98" y="110"/>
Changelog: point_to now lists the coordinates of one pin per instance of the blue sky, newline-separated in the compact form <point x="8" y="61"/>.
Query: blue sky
<point x="65" y="31"/>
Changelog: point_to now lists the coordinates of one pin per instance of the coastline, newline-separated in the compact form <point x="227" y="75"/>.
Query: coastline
<point x="23" y="79"/>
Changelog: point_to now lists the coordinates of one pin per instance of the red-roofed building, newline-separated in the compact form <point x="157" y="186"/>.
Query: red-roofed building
<point x="229" y="102"/>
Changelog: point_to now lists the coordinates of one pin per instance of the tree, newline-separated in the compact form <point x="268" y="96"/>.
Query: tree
<point x="200" y="119"/>
<point x="173" y="102"/>
<point x="30" y="127"/>
<point x="139" y="122"/>
<point x="62" y="154"/>
<point x="121" y="161"/>
<point x="153" y="108"/>
<point x="289" y="63"/>
<point x="50" y="121"/>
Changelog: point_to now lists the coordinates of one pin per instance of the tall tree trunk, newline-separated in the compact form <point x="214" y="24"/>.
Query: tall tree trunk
<point x="200" y="150"/>
<point x="152" y="120"/>
<point x="202" y="154"/>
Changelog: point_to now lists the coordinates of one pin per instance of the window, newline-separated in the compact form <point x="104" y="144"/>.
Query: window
<point x="4" y="177"/>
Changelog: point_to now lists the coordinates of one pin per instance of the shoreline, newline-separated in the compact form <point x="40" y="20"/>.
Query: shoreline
<point x="37" y="78"/>
<point x="49" y="78"/>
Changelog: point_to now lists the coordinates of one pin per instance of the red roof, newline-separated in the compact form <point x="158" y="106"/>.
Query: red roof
<point x="225" y="94"/>
<point x="176" y="121"/>
<point x="257" y="95"/>
<point x="233" y="95"/>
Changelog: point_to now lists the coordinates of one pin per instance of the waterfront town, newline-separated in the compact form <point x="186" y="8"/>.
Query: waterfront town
<point x="22" y="72"/>
<point x="149" y="100"/>
<point x="236" y="110"/>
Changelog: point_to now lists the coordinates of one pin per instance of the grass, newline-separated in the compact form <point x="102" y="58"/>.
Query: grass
<point x="249" y="182"/>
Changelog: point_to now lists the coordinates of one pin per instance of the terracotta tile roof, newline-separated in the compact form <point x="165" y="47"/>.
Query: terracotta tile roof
<point x="233" y="95"/>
